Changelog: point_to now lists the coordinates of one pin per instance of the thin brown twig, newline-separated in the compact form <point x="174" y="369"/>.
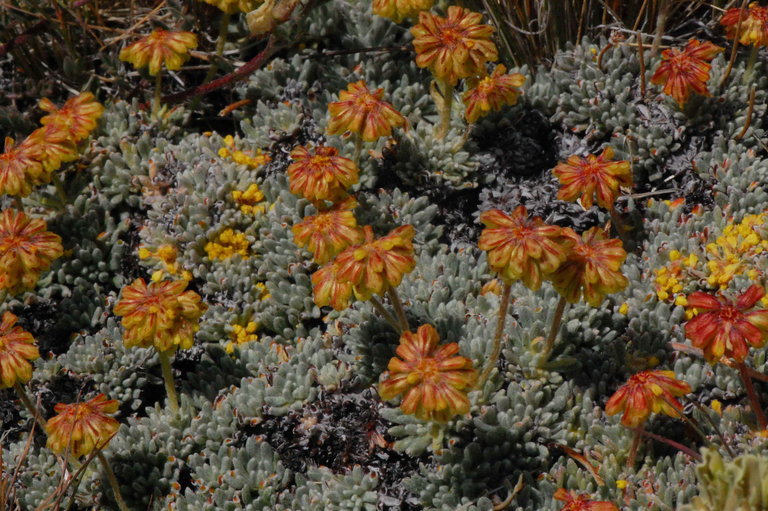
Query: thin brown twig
<point x="641" y="58"/>
<point x="735" y="47"/>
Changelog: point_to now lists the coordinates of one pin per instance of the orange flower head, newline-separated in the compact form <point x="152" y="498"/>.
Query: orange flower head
<point x="492" y="93"/>
<point x="592" y="268"/>
<point x="364" y="112"/>
<point x="330" y="289"/>
<point x="724" y="328"/>
<point x="576" y="502"/>
<point x="377" y="264"/>
<point x="78" y="116"/>
<point x="321" y="176"/>
<point x="594" y="174"/>
<point x="161" y="314"/>
<point x="55" y="147"/>
<point x="158" y="48"/>
<point x="79" y="428"/>
<point x="434" y="380"/>
<point x="647" y="392"/>
<point x="455" y="47"/>
<point x="17" y="350"/>
<point x="522" y="248"/>
<point x="329" y="232"/>
<point x="26" y="250"/>
<point x="17" y="163"/>
<point x="398" y="10"/>
<point x="754" y="24"/>
<point x="683" y="71"/>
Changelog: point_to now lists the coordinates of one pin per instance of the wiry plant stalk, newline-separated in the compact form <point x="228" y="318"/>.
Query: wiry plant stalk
<point x="496" y="350"/>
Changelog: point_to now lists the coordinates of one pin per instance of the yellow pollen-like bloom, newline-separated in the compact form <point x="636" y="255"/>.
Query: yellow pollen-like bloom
<point x="233" y="6"/>
<point x="79" y="428"/>
<point x="158" y="48"/>
<point x="249" y="200"/>
<point x="398" y="10"/>
<point x="26" y="250"/>
<point x="167" y="255"/>
<point x="240" y="335"/>
<point x="17" y="350"/>
<point x="227" y="244"/>
<point x="161" y="314"/>
<point x="247" y="158"/>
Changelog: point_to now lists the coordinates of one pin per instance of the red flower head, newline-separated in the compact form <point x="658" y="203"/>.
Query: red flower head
<point x="647" y="392"/>
<point x="82" y="427"/>
<point x="576" y="502"/>
<point x="592" y="268"/>
<point x="329" y="232"/>
<point x="26" y="250"/>
<point x="454" y="47"/>
<point x="594" y="174"/>
<point x="78" y="116"/>
<point x="520" y="248"/>
<point x="492" y="93"/>
<point x="434" y="379"/>
<point x="723" y="328"/>
<point x="377" y="264"/>
<point x="321" y="176"/>
<point x="161" y="314"/>
<point x="364" y="112"/>
<point x="17" y="350"/>
<point x="754" y="24"/>
<point x="17" y="164"/>
<point x="330" y="289"/>
<point x="158" y="48"/>
<point x="684" y="71"/>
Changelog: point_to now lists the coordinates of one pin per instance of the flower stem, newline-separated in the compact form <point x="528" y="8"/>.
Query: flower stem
<point x="214" y="66"/>
<point x="496" y="352"/>
<point x="554" y="328"/>
<point x="445" y="111"/>
<point x="358" y="149"/>
<point x="633" y="449"/>
<point x="112" y="481"/>
<point x="749" y="72"/>
<point x="31" y="408"/>
<point x="754" y="401"/>
<point x="619" y="226"/>
<point x="170" y="388"/>
<point x="60" y="188"/>
<point x="399" y="311"/>
<point x="158" y="94"/>
<point x="389" y="318"/>
<point x="18" y="203"/>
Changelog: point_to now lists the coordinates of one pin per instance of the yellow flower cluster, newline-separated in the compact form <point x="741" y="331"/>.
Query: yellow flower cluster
<point x="261" y="291"/>
<point x="738" y="250"/>
<point x="243" y="157"/>
<point x="167" y="255"/>
<point x="229" y="243"/>
<point x="240" y="335"/>
<point x="249" y="200"/>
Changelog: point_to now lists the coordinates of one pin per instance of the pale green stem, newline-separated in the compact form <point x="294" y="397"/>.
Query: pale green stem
<point x="749" y="72"/>
<point x="496" y="351"/>
<point x="554" y="329"/>
<point x="112" y="481"/>
<point x="158" y="94"/>
<point x="170" y="388"/>
<point x="31" y="408"/>
<point x="60" y="188"/>
<point x="399" y="311"/>
<point x="445" y="113"/>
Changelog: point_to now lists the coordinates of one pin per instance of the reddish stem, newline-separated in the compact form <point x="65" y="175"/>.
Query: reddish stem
<point x="754" y="401"/>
